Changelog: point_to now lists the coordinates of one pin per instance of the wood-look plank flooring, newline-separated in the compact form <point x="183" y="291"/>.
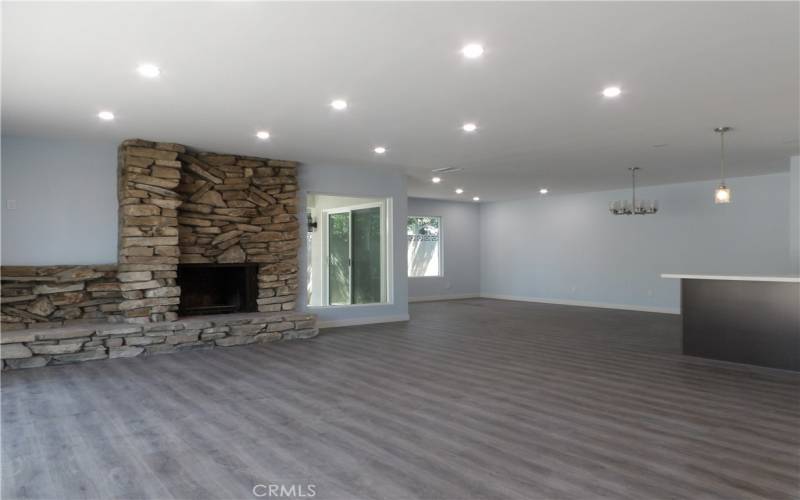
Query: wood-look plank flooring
<point x="471" y="399"/>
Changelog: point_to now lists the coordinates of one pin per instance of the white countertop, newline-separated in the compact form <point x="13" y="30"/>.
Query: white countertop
<point x="784" y="279"/>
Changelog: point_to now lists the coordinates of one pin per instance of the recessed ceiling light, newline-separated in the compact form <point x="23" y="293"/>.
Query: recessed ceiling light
<point x="380" y="150"/>
<point x="472" y="50"/>
<point x="476" y="198"/>
<point x="459" y="190"/>
<point x="436" y="180"/>
<point x="469" y="127"/>
<point x="263" y="135"/>
<point x="148" y="70"/>
<point x="339" y="104"/>
<point x="612" y="92"/>
<point x="544" y="191"/>
<point x="105" y="115"/>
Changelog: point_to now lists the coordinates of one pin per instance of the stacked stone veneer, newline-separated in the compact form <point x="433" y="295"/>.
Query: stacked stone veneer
<point x="148" y="174"/>
<point x="86" y="342"/>
<point x="177" y="206"/>
<point x="51" y="296"/>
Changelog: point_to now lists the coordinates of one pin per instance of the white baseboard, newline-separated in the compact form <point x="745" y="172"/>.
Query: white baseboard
<point x="583" y="303"/>
<point x="434" y="298"/>
<point x="369" y="320"/>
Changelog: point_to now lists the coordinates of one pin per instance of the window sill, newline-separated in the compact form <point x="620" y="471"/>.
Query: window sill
<point x="346" y="306"/>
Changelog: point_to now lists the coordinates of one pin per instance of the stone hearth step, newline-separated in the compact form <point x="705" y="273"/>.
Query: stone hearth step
<point x="35" y="347"/>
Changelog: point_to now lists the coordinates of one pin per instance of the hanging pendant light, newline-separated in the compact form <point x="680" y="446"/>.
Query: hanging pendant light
<point x="633" y="207"/>
<point x="723" y="192"/>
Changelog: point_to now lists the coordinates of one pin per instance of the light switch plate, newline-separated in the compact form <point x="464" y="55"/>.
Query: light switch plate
<point x="11" y="204"/>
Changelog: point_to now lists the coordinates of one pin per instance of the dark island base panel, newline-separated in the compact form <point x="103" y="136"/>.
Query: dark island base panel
<point x="752" y="322"/>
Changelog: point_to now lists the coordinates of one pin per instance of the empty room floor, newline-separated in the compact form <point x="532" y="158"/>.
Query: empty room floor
<point x="471" y="399"/>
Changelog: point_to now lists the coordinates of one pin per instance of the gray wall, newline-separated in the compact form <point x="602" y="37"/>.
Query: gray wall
<point x="361" y="182"/>
<point x="66" y="198"/>
<point x="460" y="246"/>
<point x="570" y="248"/>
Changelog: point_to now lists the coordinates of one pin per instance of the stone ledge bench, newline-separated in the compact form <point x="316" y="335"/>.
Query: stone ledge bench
<point x="35" y="347"/>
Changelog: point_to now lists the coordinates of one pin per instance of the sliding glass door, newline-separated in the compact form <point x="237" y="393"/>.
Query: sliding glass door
<point x="339" y="258"/>
<point x="355" y="256"/>
<point x="366" y="255"/>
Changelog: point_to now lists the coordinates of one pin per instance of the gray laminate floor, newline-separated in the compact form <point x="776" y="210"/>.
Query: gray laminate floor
<point x="471" y="399"/>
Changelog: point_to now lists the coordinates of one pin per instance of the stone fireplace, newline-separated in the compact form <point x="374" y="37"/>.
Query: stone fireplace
<point x="207" y="257"/>
<point x="181" y="207"/>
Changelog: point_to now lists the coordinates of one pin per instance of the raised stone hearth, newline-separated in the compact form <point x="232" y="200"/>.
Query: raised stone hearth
<point x="50" y="296"/>
<point x="176" y="206"/>
<point x="35" y="347"/>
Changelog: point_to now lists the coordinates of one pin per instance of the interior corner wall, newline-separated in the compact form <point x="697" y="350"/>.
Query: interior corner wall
<point x="570" y="249"/>
<point x="358" y="182"/>
<point x="65" y="193"/>
<point x="460" y="248"/>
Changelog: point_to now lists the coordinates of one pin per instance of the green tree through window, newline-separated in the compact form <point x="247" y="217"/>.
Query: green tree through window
<point x="424" y="246"/>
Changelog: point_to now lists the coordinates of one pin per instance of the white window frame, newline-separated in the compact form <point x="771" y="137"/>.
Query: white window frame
<point x="387" y="253"/>
<point x="441" y="248"/>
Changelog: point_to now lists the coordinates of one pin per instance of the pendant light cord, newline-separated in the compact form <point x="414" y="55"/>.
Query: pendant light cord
<point x="722" y="157"/>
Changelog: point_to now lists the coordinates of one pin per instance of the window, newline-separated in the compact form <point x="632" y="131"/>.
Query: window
<point x="424" y="246"/>
<point x="348" y="250"/>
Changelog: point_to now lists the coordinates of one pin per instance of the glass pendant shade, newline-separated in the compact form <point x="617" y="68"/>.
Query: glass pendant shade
<point x="722" y="194"/>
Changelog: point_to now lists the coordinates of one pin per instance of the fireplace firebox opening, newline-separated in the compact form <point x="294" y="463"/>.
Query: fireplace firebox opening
<point x="217" y="288"/>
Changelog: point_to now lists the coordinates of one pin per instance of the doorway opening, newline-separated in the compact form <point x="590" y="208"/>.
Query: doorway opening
<point x="348" y="250"/>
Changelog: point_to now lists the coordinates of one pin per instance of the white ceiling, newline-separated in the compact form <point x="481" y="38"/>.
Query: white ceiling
<point x="230" y="69"/>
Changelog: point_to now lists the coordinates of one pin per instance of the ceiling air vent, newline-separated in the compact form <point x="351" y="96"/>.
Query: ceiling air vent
<point x="447" y="170"/>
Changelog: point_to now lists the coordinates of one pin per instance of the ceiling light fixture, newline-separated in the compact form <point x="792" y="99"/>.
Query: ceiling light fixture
<point x="380" y="150"/>
<point x="469" y="127"/>
<point x="459" y="190"/>
<point x="106" y="115"/>
<point x="472" y="50"/>
<point x="611" y="92"/>
<point x="436" y="180"/>
<point x="476" y="198"/>
<point x="339" y="104"/>
<point x="722" y="194"/>
<point x="148" y="70"/>
<point x="544" y="191"/>
<point x="263" y="135"/>
<point x="633" y="207"/>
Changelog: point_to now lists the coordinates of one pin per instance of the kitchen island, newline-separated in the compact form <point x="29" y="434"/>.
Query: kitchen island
<point x="746" y="319"/>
